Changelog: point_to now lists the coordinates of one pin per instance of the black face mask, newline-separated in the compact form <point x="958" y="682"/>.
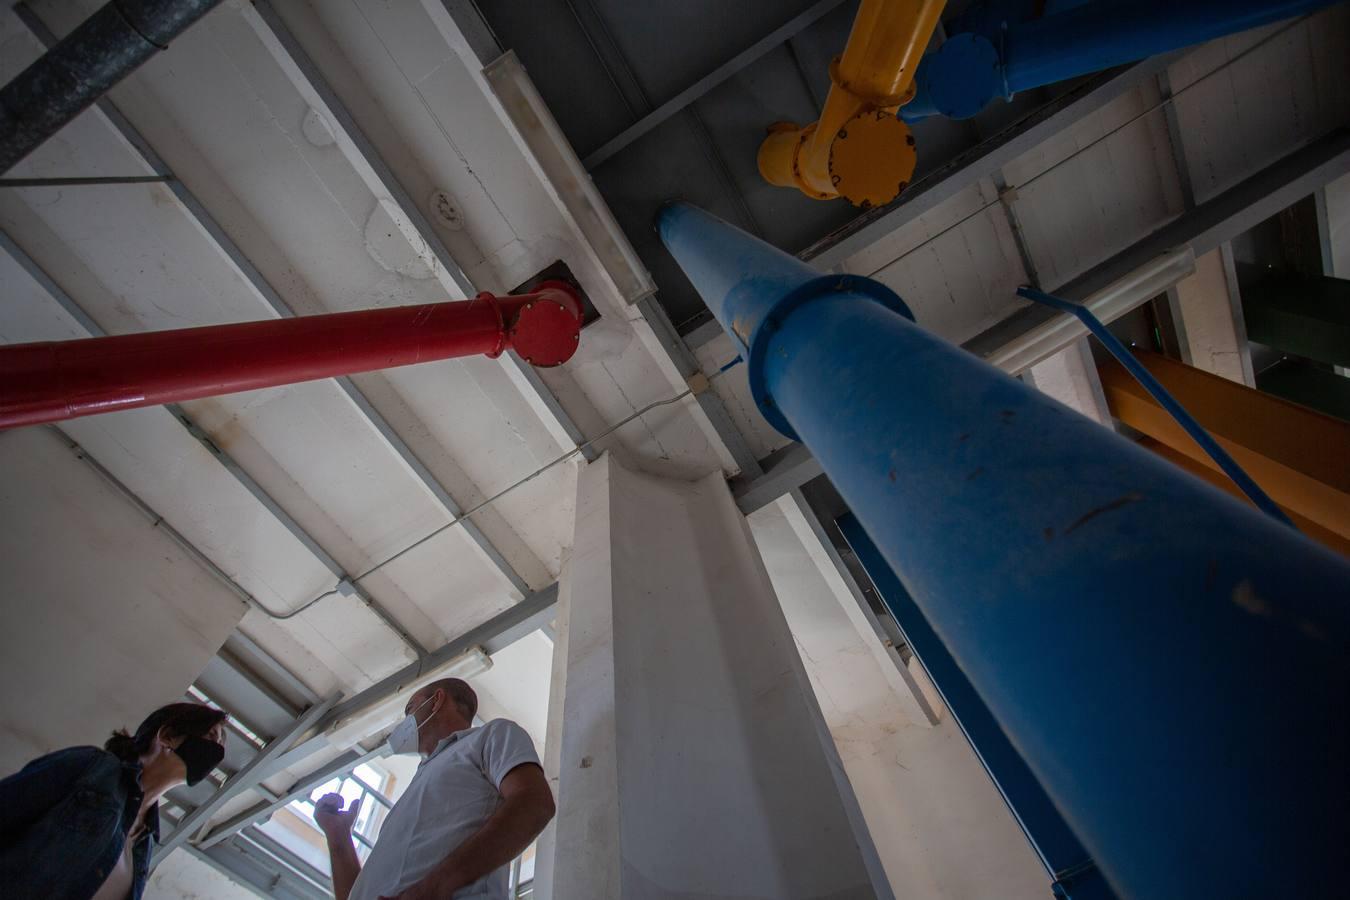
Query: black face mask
<point x="200" y="756"/>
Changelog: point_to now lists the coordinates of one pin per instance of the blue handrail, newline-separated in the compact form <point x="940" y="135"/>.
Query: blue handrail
<point x="1166" y="400"/>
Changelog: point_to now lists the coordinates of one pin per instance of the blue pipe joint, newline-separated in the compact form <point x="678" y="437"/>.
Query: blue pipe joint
<point x="839" y="288"/>
<point x="959" y="79"/>
<point x="767" y="286"/>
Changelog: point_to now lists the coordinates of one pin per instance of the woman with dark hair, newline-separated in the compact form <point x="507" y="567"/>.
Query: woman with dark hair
<point x="78" y="823"/>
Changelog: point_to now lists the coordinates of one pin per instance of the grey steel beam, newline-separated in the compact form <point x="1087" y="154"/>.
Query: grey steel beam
<point x="708" y="400"/>
<point x="249" y="867"/>
<point x="1007" y="199"/>
<point x="302" y="787"/>
<point x="785" y="470"/>
<point x="341" y="118"/>
<point x="274" y="849"/>
<point x="1324" y="242"/>
<point x="254" y="278"/>
<point x="981" y="161"/>
<point x="1239" y="318"/>
<point x="887" y="642"/>
<point x="1205" y="228"/>
<point x="246" y="778"/>
<point x="83" y="182"/>
<point x="529" y="615"/>
<point x="477" y="32"/>
<point x="1174" y="137"/>
<point x="246" y="654"/>
<point x="250" y="700"/>
<point x="67" y="303"/>
<point x="703" y="332"/>
<point x="702" y="86"/>
<point x="496" y="633"/>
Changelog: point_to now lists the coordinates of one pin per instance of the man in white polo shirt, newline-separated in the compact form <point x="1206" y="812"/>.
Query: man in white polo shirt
<point x="479" y="797"/>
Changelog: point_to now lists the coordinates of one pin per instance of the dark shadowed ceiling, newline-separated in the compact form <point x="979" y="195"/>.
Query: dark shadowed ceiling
<point x="602" y="65"/>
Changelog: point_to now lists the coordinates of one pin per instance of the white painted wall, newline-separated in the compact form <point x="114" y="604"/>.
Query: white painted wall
<point x="517" y="685"/>
<point x="1335" y="201"/>
<point x="1070" y="376"/>
<point x="105" y="617"/>
<point x="1211" y="320"/>
<point x="691" y="754"/>
<point x="941" y="828"/>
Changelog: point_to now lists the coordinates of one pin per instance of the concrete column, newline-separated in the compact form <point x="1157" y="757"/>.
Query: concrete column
<point x="1207" y="312"/>
<point x="1070" y="376"/>
<point x="693" y="757"/>
<point x="942" y="830"/>
<point x="1333" y="226"/>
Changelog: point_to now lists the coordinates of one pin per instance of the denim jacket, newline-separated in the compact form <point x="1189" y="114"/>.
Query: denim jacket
<point x="64" y="820"/>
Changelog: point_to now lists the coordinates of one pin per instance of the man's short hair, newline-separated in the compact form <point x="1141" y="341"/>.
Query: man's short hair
<point x="459" y="693"/>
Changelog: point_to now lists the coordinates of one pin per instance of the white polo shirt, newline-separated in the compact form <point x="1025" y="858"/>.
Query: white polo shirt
<point x="453" y="794"/>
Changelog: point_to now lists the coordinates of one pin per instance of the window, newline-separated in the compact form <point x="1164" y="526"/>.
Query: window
<point x="295" y="828"/>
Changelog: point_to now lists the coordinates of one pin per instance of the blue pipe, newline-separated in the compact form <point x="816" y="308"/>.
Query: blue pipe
<point x="1172" y="664"/>
<point x="1145" y="378"/>
<point x="971" y="69"/>
<point x="1073" y="873"/>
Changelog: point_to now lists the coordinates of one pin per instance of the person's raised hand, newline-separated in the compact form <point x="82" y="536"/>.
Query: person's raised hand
<point x="332" y="818"/>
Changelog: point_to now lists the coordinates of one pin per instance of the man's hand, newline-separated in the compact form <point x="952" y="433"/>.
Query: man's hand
<point x="335" y="822"/>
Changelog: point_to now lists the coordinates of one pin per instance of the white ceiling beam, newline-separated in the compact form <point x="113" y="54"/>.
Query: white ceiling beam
<point x="380" y="177"/>
<point x="254" y="278"/>
<point x="85" y="321"/>
<point x="578" y="199"/>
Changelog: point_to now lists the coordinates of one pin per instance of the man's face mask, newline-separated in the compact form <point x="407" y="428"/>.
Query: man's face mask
<point x="200" y="756"/>
<point x="403" y="739"/>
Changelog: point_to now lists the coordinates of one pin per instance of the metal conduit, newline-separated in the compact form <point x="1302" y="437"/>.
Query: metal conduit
<point x="67" y="79"/>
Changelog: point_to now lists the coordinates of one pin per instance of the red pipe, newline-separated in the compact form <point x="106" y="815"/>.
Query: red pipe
<point x="55" y="380"/>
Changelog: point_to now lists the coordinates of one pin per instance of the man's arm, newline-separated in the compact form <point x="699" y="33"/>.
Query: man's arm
<point x="337" y="830"/>
<point x="525" y="808"/>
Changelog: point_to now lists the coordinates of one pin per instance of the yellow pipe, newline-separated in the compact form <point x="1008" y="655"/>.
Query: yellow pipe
<point x="859" y="149"/>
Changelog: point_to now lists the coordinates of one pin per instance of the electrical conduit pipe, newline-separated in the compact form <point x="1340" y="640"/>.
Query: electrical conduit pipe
<point x="51" y="381"/>
<point x="105" y="48"/>
<point x="857" y="149"/>
<point x="1171" y="663"/>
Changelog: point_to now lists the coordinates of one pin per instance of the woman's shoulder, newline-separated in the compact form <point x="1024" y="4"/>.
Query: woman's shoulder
<point x="73" y="761"/>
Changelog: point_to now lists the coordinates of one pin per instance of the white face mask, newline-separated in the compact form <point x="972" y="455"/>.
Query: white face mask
<point x="403" y="739"/>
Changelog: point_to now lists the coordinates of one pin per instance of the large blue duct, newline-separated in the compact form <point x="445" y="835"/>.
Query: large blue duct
<point x="1171" y="664"/>
<point x="967" y="72"/>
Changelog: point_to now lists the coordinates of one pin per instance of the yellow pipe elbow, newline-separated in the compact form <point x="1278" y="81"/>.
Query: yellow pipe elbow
<point x="859" y="149"/>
